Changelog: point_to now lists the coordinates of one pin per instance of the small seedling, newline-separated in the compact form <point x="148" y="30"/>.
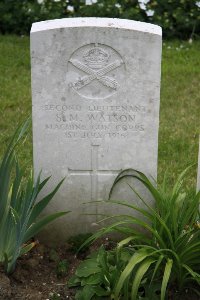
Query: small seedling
<point x="62" y="268"/>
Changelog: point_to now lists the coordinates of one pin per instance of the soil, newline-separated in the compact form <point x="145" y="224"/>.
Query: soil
<point x="37" y="276"/>
<point x="186" y="295"/>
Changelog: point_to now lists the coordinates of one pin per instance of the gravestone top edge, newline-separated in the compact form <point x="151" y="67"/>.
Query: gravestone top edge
<point x="97" y="22"/>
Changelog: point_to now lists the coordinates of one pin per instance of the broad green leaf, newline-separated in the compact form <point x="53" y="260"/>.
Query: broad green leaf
<point x="125" y="241"/>
<point x="102" y="260"/>
<point x="15" y="215"/>
<point x="79" y="295"/>
<point x="142" y="269"/>
<point x="161" y="257"/>
<point x="39" y="207"/>
<point x="99" y="291"/>
<point x="16" y="185"/>
<point x="87" y="268"/>
<point x="166" y="276"/>
<point x="88" y="292"/>
<point x="43" y="183"/>
<point x="93" y="279"/>
<point x="73" y="281"/>
<point x="135" y="260"/>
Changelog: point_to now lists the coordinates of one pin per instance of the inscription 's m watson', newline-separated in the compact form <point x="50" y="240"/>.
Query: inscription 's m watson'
<point x="99" y="117"/>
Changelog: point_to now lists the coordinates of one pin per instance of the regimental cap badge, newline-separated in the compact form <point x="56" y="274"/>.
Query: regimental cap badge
<point x="96" y="58"/>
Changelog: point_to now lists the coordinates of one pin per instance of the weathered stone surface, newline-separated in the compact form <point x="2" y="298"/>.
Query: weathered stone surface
<point x="95" y="90"/>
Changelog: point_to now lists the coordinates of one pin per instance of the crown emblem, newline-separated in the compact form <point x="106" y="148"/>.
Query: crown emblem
<point x="96" y="58"/>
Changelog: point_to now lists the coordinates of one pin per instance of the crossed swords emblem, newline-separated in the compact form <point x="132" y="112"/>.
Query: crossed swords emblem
<point x="93" y="74"/>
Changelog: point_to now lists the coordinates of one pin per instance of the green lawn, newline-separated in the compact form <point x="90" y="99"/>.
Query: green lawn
<point x="179" y="111"/>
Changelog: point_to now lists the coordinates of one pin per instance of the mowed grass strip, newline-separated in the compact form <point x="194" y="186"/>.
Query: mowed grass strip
<point x="179" y="108"/>
<point x="15" y="91"/>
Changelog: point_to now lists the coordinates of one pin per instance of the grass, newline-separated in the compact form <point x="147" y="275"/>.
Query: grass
<point x="179" y="110"/>
<point x="15" y="91"/>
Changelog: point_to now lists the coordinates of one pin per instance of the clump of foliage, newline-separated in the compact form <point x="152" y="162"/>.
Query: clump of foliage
<point x="177" y="18"/>
<point x="180" y="18"/>
<point x="76" y="241"/>
<point x="166" y="253"/>
<point x="18" y="207"/>
<point x="113" y="9"/>
<point x="96" y="276"/>
<point x="18" y="16"/>
<point x="62" y="268"/>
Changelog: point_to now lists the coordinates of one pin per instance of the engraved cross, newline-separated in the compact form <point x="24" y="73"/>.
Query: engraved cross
<point x="94" y="172"/>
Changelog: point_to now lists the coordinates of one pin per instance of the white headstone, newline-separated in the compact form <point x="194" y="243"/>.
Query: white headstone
<point x="95" y="90"/>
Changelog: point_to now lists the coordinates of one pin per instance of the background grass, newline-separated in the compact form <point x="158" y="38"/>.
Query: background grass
<point x="179" y="110"/>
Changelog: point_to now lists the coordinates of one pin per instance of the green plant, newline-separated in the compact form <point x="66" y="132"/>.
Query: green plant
<point x="18" y="16"/>
<point x="180" y="18"/>
<point x="18" y="207"/>
<point x="168" y="251"/>
<point x="76" y="241"/>
<point x="96" y="276"/>
<point x="62" y="268"/>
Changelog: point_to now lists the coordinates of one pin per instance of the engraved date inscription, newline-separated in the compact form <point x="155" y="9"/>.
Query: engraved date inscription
<point x="98" y="122"/>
